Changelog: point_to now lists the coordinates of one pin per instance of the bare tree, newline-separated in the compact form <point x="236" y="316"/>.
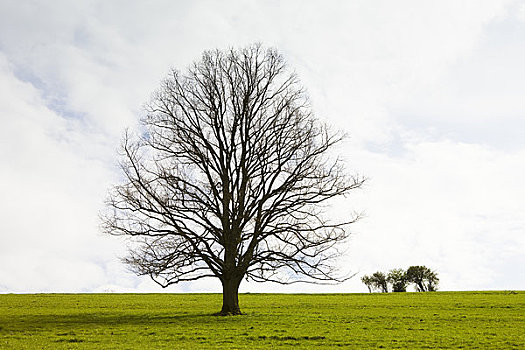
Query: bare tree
<point x="230" y="179"/>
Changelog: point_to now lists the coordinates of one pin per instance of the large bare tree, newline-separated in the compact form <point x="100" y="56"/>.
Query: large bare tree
<point x="230" y="179"/>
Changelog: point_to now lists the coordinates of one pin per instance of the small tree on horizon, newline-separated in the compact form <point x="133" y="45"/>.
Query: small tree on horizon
<point x="231" y="179"/>
<point x="379" y="281"/>
<point x="367" y="280"/>
<point x="398" y="279"/>
<point x="424" y="279"/>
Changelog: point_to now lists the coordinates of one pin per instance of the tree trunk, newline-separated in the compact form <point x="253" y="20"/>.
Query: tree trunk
<point x="230" y="297"/>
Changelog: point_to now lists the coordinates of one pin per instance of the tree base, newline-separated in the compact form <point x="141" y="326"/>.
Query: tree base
<point x="229" y="313"/>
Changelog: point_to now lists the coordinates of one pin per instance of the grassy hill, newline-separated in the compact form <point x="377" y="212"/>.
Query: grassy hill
<point x="469" y="320"/>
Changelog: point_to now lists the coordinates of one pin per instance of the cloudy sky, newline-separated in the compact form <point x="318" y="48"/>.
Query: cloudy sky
<point x="431" y="92"/>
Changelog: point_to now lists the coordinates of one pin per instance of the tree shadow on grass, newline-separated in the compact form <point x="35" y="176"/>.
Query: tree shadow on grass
<point x="48" y="321"/>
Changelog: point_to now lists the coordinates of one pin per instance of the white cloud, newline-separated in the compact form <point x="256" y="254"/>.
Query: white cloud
<point x="51" y="193"/>
<point x="478" y="98"/>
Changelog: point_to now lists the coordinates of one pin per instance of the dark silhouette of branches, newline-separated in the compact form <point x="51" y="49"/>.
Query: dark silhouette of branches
<point x="230" y="178"/>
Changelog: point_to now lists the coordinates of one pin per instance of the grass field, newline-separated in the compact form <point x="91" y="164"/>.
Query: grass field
<point x="468" y="320"/>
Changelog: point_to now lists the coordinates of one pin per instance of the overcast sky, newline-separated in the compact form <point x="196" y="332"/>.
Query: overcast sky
<point x="432" y="94"/>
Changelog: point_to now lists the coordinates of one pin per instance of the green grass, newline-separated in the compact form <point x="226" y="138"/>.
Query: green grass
<point x="485" y="320"/>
